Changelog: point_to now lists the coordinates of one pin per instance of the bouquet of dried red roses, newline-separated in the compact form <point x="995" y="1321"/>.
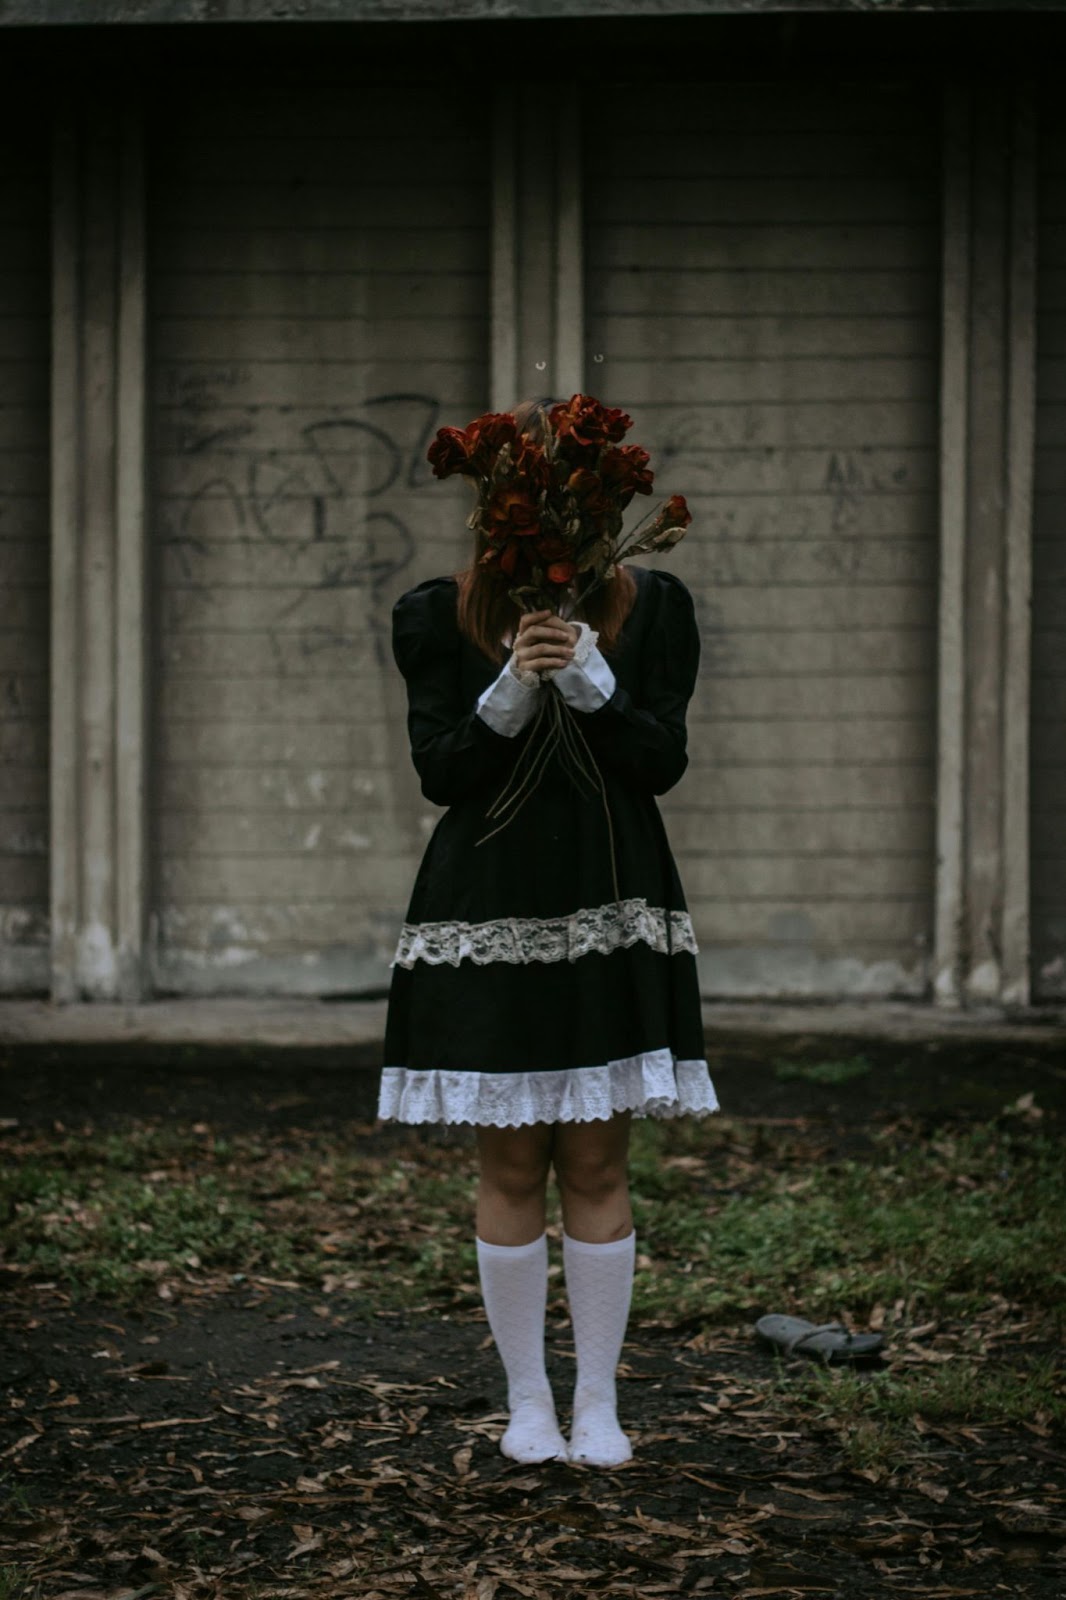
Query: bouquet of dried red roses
<point x="550" y="510"/>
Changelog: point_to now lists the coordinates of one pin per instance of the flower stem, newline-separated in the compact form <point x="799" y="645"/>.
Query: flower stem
<point x="513" y="798"/>
<point x="563" y="731"/>
<point x="528" y="758"/>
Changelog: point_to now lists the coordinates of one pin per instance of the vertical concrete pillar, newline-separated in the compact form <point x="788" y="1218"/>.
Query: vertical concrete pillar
<point x="538" y="272"/>
<point x="99" y="603"/>
<point x="987" y="418"/>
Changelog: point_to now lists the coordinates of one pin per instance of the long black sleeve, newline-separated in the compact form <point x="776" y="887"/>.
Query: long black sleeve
<point x="643" y="737"/>
<point x="453" y="749"/>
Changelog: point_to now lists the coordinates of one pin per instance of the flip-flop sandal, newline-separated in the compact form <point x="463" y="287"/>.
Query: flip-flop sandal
<point x="828" y="1341"/>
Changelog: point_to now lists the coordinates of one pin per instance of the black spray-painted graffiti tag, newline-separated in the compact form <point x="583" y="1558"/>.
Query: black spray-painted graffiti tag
<point x="316" y="491"/>
<point x="336" y="493"/>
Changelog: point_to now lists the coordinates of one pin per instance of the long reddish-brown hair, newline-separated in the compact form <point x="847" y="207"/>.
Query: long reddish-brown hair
<point x="484" y="611"/>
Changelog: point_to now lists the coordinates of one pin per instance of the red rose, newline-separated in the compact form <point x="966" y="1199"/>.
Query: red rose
<point x="588" y="423"/>
<point x="532" y="468"/>
<point x="486" y="437"/>
<point x="505" y="555"/>
<point x="560" y="572"/>
<point x="550" y="547"/>
<point x="512" y="511"/>
<point x="587" y="489"/>
<point x="625" y="471"/>
<point x="666" y="528"/>
<point x="449" y="453"/>
<point x="677" y="511"/>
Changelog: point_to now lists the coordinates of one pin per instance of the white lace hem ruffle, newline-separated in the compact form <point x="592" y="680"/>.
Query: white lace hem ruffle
<point x="649" y="1085"/>
<point x="520" y="940"/>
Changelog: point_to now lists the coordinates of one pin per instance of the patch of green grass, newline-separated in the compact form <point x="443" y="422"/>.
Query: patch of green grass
<point x="963" y="1230"/>
<point x="878" y="1415"/>
<point x="104" y="1230"/>
<point x="940" y="1225"/>
<point x="828" y="1073"/>
<point x="14" y="1585"/>
<point x="14" y="1497"/>
<point x="108" y="1217"/>
<point x="733" y="1219"/>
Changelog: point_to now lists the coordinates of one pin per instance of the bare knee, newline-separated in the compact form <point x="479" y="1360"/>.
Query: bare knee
<point x="591" y="1176"/>
<point x="516" y="1168"/>
<point x="516" y="1185"/>
<point x="592" y="1167"/>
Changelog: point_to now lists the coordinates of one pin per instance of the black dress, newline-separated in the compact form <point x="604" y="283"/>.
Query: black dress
<point x="523" y="989"/>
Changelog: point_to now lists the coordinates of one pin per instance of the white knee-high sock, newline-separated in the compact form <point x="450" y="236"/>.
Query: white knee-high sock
<point x="514" y="1286"/>
<point x="599" y="1282"/>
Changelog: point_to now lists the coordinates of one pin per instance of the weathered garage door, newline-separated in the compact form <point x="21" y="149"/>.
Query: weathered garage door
<point x="320" y="306"/>
<point x="24" y="547"/>
<point x="1048" y="726"/>
<point x="763" y="296"/>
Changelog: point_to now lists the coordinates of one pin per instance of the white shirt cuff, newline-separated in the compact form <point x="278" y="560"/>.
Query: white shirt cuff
<point x="587" y="682"/>
<point x="508" y="704"/>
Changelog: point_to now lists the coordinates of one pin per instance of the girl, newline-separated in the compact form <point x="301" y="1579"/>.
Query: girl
<point x="530" y="997"/>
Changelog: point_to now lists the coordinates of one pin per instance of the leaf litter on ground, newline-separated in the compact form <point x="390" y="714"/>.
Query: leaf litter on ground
<point x="241" y="1364"/>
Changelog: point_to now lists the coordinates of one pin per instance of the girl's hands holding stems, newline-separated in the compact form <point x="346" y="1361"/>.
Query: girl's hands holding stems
<point x="544" y="641"/>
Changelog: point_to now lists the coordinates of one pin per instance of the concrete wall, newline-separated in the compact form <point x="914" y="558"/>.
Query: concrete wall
<point x="1049" y="572"/>
<point x="763" y="297"/>
<point x="320" y="304"/>
<point x="24" y="551"/>
<point x="816" y="298"/>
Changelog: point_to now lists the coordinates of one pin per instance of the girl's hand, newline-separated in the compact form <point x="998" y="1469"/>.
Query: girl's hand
<point x="544" y="641"/>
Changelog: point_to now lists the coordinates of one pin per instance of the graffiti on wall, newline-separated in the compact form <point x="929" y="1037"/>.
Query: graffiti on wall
<point x="331" y="493"/>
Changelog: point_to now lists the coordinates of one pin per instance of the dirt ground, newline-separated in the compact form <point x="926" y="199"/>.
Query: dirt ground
<point x="258" y="1439"/>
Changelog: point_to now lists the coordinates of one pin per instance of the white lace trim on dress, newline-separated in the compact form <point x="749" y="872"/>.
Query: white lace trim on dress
<point x="650" y="1085"/>
<point x="587" y="682"/>
<point x="584" y="647"/>
<point x="511" y="699"/>
<point x="586" y="642"/>
<point x="520" y="940"/>
<point x="506" y="705"/>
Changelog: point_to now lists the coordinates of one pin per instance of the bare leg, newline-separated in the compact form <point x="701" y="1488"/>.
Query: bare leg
<point x="592" y="1166"/>
<point x="513" y="1182"/>
<point x="512" y="1251"/>
<point x="599" y="1250"/>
